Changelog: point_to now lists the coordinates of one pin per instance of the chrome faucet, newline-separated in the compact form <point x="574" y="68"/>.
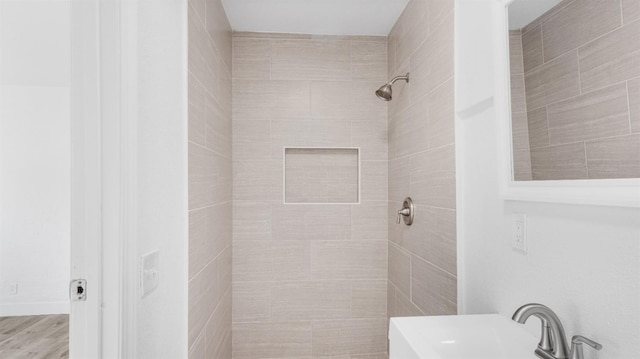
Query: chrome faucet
<point x="553" y="342"/>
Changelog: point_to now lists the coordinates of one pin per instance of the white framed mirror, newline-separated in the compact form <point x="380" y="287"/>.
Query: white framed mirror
<point x="569" y="75"/>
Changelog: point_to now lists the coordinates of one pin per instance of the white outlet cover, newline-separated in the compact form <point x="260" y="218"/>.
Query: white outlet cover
<point x="519" y="232"/>
<point x="149" y="273"/>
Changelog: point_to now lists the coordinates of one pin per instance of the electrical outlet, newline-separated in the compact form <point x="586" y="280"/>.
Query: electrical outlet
<point x="149" y="273"/>
<point x="519" y="232"/>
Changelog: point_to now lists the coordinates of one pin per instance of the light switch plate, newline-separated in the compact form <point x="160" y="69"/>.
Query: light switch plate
<point x="149" y="273"/>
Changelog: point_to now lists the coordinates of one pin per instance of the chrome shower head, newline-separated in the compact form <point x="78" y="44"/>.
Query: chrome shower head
<point x="384" y="92"/>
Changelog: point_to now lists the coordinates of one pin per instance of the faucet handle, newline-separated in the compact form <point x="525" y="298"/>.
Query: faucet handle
<point x="576" y="346"/>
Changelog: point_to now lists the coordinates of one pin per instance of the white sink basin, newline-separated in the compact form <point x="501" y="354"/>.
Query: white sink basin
<point x="489" y="336"/>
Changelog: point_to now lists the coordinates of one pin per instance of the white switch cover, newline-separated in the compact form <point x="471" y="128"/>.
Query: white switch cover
<point x="13" y="288"/>
<point x="519" y="232"/>
<point x="149" y="273"/>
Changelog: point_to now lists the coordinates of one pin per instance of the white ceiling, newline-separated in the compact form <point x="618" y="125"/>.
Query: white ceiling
<point x="318" y="17"/>
<point x="522" y="12"/>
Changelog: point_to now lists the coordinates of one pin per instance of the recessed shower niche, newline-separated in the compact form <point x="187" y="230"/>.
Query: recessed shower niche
<point x="321" y="175"/>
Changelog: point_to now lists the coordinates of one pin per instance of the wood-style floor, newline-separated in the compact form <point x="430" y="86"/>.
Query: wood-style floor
<point x="34" y="337"/>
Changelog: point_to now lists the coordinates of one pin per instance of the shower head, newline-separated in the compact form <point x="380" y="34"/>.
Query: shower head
<point x="384" y="92"/>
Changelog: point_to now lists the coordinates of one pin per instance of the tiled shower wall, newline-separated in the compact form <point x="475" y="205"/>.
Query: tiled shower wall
<point x="309" y="280"/>
<point x="519" y="124"/>
<point x="422" y="257"/>
<point x="210" y="190"/>
<point x="582" y="82"/>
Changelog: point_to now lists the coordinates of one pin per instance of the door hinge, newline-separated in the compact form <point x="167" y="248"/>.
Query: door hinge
<point x="78" y="290"/>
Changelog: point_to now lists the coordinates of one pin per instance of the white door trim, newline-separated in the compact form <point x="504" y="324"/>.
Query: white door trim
<point x="86" y="224"/>
<point x="104" y="142"/>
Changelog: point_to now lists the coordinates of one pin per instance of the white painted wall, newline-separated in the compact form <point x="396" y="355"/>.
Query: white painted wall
<point x="34" y="156"/>
<point x="162" y="221"/>
<point x="583" y="261"/>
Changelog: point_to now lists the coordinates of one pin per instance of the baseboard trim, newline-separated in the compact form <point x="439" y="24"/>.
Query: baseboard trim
<point x="43" y="308"/>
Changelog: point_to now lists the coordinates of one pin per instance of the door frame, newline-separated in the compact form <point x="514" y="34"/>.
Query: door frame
<point x="103" y="178"/>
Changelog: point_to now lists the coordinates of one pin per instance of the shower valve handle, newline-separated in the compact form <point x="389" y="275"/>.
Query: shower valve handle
<point x="407" y="212"/>
<point x="403" y="212"/>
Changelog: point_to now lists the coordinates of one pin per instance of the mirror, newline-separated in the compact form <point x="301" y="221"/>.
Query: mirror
<point x="575" y="89"/>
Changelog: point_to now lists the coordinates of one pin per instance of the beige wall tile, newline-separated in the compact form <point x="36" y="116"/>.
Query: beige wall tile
<point x="559" y="162"/>
<point x="218" y="330"/>
<point x="433" y="237"/>
<point x="219" y="29"/>
<point x="260" y="99"/>
<point x="411" y="29"/>
<point x="399" y="269"/>
<point x="348" y="259"/>
<point x="369" y="298"/>
<point x="554" y="81"/>
<point x="251" y="139"/>
<point x="251" y="220"/>
<point x="311" y="223"/>
<point x="579" y="23"/>
<point x="209" y="235"/>
<point x="630" y="11"/>
<point x="350" y="336"/>
<point x="405" y="307"/>
<point x="251" y="302"/>
<point x="615" y="157"/>
<point x="209" y="177"/>
<point x="218" y="127"/>
<point x="438" y="11"/>
<point x="319" y="93"/>
<point x="520" y="131"/>
<point x="271" y="260"/>
<point x="272" y="340"/>
<point x="547" y="15"/>
<point x="532" y="48"/>
<point x="371" y="136"/>
<point x="432" y="290"/>
<point x="313" y="59"/>
<point x="391" y="300"/>
<point x="593" y="115"/>
<point x="251" y="58"/>
<point x="369" y="221"/>
<point x="432" y="63"/>
<point x="309" y="300"/>
<point x="364" y="102"/>
<point x="399" y="179"/>
<point x="421" y="157"/>
<point x="538" y="128"/>
<point x="441" y="115"/>
<point x="613" y="58"/>
<point x="522" y="165"/>
<point x="219" y="227"/>
<point x="409" y="130"/>
<point x="199" y="244"/>
<point x="518" y="95"/>
<point x="321" y="175"/>
<point x="516" y="59"/>
<point x="203" y="296"/>
<point x="197" y="350"/>
<point x="330" y="99"/>
<point x="633" y="89"/>
<point x="369" y="60"/>
<point x="257" y="180"/>
<point x="374" y="181"/>
<point x="433" y="178"/>
<point x="308" y="133"/>
<point x="196" y="111"/>
<point x="198" y="9"/>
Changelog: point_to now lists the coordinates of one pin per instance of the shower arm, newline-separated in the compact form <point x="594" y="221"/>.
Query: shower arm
<point x="405" y="77"/>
